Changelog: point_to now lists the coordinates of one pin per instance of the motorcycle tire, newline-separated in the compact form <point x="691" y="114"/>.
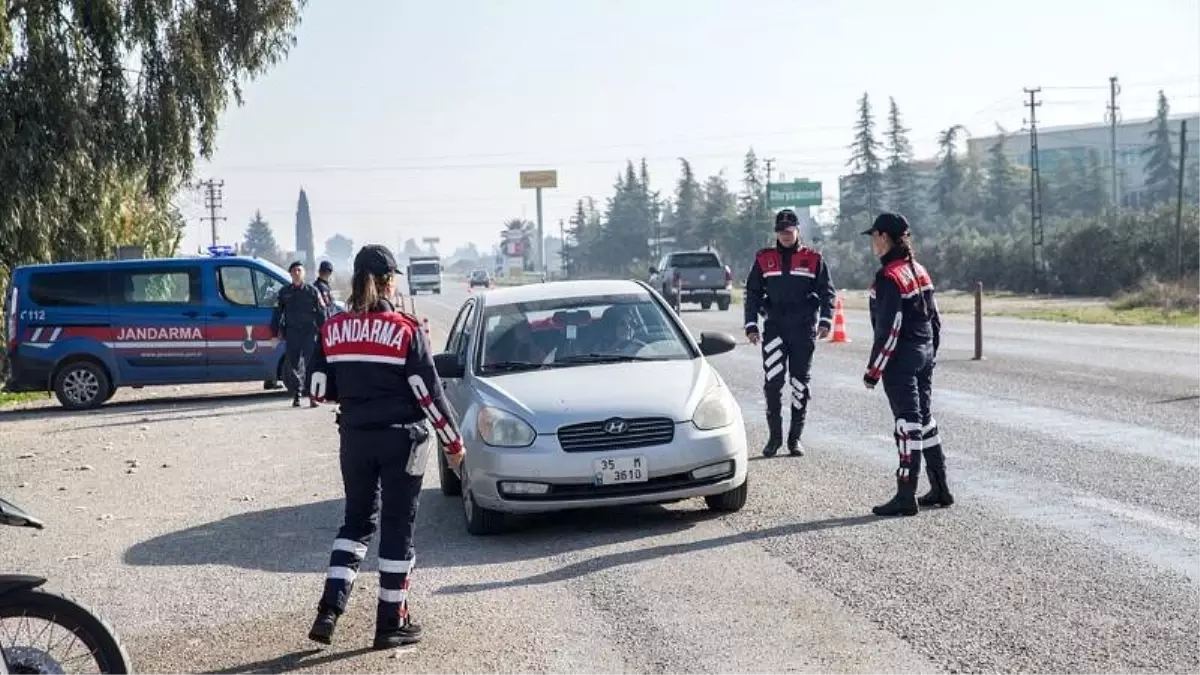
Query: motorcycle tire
<point x="95" y="633"/>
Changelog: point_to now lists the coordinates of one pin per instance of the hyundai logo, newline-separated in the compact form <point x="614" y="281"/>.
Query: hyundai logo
<point x="616" y="426"/>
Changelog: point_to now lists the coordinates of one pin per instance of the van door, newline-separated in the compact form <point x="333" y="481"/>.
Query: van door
<point x="240" y="347"/>
<point x="158" y="323"/>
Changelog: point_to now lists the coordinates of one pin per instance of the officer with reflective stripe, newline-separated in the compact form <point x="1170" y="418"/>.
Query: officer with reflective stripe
<point x="791" y="285"/>
<point x="907" y="327"/>
<point x="376" y="363"/>
<point x="298" y="316"/>
<point x="323" y="286"/>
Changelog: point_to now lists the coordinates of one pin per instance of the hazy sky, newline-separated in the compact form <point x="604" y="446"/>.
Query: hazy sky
<point x="411" y="119"/>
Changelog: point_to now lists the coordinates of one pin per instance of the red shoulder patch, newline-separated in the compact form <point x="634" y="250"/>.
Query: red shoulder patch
<point x="769" y="260"/>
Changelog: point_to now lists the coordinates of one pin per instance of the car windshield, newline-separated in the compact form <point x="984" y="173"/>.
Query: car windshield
<point x="478" y="274"/>
<point x="576" y="331"/>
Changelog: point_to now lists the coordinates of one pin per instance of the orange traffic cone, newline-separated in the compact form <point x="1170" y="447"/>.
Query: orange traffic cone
<point x="839" y="322"/>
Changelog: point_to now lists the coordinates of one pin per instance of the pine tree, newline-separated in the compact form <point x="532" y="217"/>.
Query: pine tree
<point x="902" y="189"/>
<point x="304" y="232"/>
<point x="259" y="240"/>
<point x="1000" y="191"/>
<point x="866" y="180"/>
<point x="1160" y="170"/>
<point x="688" y="205"/>
<point x="951" y="176"/>
<point x="1095" y="184"/>
<point x="718" y="214"/>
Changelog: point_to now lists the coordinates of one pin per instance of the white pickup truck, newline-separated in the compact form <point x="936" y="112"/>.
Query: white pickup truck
<point x="424" y="274"/>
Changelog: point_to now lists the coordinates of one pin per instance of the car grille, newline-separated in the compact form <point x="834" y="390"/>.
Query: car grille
<point x="586" y="491"/>
<point x="591" y="436"/>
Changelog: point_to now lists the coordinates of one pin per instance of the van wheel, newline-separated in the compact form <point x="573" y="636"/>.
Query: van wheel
<point x="705" y="305"/>
<point x="82" y="385"/>
<point x="451" y="484"/>
<point x="723" y="304"/>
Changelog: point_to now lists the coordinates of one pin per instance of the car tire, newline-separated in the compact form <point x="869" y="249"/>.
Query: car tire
<point x="723" y="305"/>
<point x="481" y="522"/>
<point x="706" y="305"/>
<point x="451" y="484"/>
<point x="82" y="385"/>
<point x="731" y="501"/>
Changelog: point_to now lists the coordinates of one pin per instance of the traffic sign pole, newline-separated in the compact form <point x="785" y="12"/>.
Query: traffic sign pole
<point x="541" y="242"/>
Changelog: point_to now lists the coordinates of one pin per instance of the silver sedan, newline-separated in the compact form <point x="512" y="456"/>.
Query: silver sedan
<point x="587" y="393"/>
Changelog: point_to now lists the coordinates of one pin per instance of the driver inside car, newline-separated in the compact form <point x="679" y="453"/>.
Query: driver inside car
<point x="516" y="343"/>
<point x="617" y="328"/>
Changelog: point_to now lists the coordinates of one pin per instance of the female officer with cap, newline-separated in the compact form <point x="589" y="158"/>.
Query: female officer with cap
<point x="377" y="364"/>
<point x="907" y="329"/>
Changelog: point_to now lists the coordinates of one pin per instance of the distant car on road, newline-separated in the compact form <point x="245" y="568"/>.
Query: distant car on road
<point x="479" y="278"/>
<point x="587" y="393"/>
<point x="693" y="276"/>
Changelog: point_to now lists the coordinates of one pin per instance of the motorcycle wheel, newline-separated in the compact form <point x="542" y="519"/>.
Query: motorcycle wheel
<point x="100" y="640"/>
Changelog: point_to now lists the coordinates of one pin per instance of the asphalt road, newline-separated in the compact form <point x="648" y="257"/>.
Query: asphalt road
<point x="1073" y="453"/>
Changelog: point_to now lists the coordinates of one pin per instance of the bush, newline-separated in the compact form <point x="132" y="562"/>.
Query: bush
<point x="1170" y="296"/>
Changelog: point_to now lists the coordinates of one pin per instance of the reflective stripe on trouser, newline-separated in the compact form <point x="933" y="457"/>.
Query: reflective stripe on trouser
<point x="787" y="353"/>
<point x="382" y="488"/>
<point x="906" y="383"/>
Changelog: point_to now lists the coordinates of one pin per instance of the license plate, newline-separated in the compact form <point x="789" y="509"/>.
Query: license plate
<point x="703" y="277"/>
<point x="618" y="470"/>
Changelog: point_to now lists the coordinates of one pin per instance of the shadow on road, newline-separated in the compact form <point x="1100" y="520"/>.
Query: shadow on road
<point x="604" y="562"/>
<point x="147" y="406"/>
<point x="287" y="663"/>
<point x="296" y="539"/>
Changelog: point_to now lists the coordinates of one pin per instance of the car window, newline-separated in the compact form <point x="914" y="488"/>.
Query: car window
<point x="69" y="289"/>
<point x="464" y="336"/>
<point x="236" y="285"/>
<point x="695" y="260"/>
<point x="561" y="330"/>
<point x="174" y="286"/>
<point x="266" y="289"/>
<point x="452" y="339"/>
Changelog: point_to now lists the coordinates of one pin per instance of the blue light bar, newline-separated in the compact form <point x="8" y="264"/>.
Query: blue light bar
<point x="221" y="251"/>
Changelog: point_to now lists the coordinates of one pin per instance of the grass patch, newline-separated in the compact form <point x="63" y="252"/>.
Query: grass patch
<point x="8" y="398"/>
<point x="1137" y="316"/>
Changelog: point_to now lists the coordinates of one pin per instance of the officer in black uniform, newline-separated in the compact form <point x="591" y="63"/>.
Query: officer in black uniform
<point x="377" y="364"/>
<point x="907" y="327"/>
<point x="324" y="275"/>
<point x="298" y="316"/>
<point x="791" y="286"/>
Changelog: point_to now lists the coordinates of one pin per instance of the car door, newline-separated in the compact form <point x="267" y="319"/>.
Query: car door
<point x="239" y="322"/>
<point x="458" y="343"/>
<point x="158" y="323"/>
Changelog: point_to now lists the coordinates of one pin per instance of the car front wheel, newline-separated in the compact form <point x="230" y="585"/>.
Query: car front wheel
<point x="480" y="521"/>
<point x="451" y="485"/>
<point x="731" y="501"/>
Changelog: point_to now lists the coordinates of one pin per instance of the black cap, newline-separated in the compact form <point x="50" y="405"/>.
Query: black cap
<point x="785" y="219"/>
<point x="889" y="223"/>
<point x="326" y="266"/>
<point x="294" y="265"/>
<point x="374" y="259"/>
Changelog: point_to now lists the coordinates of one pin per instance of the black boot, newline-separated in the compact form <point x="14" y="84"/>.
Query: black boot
<point x="396" y="632"/>
<point x="794" y="430"/>
<point x="322" y="628"/>
<point x="939" y="489"/>
<point x="904" y="503"/>
<point x="775" y="435"/>
<point x="296" y="401"/>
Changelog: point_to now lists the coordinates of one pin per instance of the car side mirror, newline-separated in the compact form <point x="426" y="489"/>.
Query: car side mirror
<point x="713" y="343"/>
<point x="448" y="367"/>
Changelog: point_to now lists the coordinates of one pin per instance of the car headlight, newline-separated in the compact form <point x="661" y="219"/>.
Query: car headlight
<point x="716" y="410"/>
<point x="503" y="429"/>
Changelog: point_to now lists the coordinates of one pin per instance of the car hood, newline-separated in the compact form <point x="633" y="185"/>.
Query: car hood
<point x="551" y="398"/>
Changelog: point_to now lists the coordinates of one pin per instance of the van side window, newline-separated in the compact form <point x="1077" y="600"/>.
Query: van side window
<point x="266" y="288"/>
<point x="69" y="289"/>
<point x="236" y="285"/>
<point x="173" y="286"/>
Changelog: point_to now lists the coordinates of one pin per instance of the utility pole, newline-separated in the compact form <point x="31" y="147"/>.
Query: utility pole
<point x="562" y="248"/>
<point x="212" y="201"/>
<point x="1035" y="188"/>
<point x="767" y="192"/>
<point x="1112" y="115"/>
<point x="1179" y="202"/>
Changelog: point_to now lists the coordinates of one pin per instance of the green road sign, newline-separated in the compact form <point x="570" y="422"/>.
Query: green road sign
<point x="796" y="193"/>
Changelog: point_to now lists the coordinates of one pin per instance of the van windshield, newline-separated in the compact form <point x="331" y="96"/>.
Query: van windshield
<point x="425" y="268"/>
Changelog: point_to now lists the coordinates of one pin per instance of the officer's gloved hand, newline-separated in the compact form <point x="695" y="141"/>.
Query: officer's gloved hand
<point x="316" y="388"/>
<point x="869" y="382"/>
<point x="752" y="334"/>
